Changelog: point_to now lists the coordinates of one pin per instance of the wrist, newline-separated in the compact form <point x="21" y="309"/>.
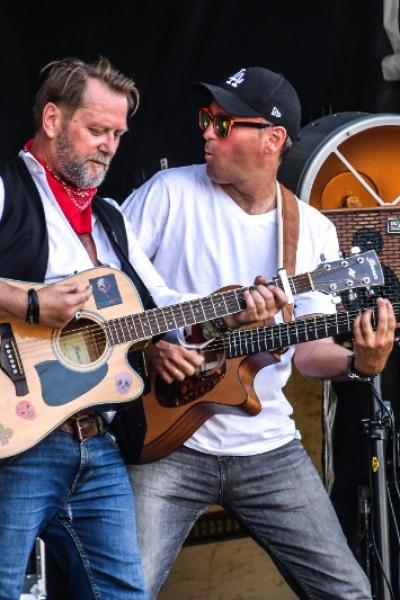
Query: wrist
<point x="32" y="311"/>
<point x="353" y="373"/>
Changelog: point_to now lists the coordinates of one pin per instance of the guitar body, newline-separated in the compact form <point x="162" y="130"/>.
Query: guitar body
<point x="58" y="374"/>
<point x="173" y="412"/>
<point x="47" y="375"/>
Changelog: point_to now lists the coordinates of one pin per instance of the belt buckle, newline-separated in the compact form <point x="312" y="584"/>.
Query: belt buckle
<point x="95" y="419"/>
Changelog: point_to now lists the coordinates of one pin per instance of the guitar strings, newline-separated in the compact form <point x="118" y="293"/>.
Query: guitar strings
<point x="231" y="301"/>
<point x="243" y="337"/>
<point x="178" y="310"/>
<point x="92" y="331"/>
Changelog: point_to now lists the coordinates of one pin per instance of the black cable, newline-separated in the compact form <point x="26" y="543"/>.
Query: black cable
<point x="392" y="594"/>
<point x="393" y="513"/>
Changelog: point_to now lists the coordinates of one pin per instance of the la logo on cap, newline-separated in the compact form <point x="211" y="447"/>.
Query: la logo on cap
<point x="236" y="79"/>
<point x="275" y="112"/>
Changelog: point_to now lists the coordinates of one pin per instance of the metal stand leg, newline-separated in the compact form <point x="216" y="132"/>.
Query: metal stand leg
<point x="377" y="427"/>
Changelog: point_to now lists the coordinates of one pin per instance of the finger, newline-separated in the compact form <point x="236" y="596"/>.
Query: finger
<point x="367" y="333"/>
<point x="83" y="296"/>
<point x="177" y="354"/>
<point x="382" y="317"/>
<point x="357" y="332"/>
<point x="392" y="322"/>
<point x="263" y="300"/>
<point x="249" y="301"/>
<point x="184" y="368"/>
<point x="260" y="280"/>
<point x="280" y="297"/>
<point x="175" y="373"/>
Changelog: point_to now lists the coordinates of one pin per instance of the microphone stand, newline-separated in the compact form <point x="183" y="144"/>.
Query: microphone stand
<point x="377" y="428"/>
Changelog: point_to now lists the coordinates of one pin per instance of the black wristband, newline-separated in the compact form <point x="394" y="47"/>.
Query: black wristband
<point x="32" y="312"/>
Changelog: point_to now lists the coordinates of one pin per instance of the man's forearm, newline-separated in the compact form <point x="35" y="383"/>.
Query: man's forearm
<point x="13" y="300"/>
<point x="323" y="361"/>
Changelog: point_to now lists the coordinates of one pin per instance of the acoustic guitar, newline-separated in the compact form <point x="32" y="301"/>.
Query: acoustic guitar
<point x="224" y="382"/>
<point x="47" y="375"/>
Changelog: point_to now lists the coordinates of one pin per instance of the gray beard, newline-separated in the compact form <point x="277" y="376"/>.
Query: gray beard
<point x="74" y="170"/>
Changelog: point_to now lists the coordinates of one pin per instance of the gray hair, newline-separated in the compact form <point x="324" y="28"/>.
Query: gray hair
<point x="287" y="144"/>
<point x="66" y="79"/>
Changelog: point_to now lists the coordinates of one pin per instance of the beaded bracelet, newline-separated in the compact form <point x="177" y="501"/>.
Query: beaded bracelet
<point x="32" y="312"/>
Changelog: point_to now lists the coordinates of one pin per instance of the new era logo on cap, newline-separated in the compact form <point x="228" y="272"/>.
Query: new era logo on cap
<point x="236" y="79"/>
<point x="275" y="112"/>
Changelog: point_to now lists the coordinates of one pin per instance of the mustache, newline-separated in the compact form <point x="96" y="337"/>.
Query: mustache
<point x="103" y="160"/>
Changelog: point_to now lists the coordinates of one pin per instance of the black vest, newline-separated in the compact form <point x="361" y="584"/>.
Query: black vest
<point x="24" y="255"/>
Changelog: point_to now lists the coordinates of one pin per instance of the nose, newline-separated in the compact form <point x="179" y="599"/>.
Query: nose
<point x="209" y="133"/>
<point x="109" y="144"/>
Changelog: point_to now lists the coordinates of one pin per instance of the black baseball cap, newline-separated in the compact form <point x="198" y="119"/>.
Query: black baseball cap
<point x="258" y="92"/>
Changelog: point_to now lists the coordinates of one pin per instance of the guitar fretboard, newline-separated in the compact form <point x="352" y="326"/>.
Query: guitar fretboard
<point x="251" y="341"/>
<point x="157" y="321"/>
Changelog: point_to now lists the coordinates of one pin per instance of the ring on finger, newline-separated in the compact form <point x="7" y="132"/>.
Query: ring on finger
<point x="177" y="372"/>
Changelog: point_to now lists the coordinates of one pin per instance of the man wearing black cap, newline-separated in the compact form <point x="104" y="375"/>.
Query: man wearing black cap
<point x="208" y="226"/>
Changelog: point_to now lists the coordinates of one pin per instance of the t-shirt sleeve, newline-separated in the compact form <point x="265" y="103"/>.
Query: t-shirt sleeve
<point x="161" y="293"/>
<point x="147" y="210"/>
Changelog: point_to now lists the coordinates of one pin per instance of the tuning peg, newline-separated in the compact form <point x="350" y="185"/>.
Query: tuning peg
<point x="355" y="250"/>
<point x="370" y="292"/>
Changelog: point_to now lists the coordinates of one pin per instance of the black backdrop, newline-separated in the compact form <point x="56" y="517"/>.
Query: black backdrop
<point x="331" y="51"/>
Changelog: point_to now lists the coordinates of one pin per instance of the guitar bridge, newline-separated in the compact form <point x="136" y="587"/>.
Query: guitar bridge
<point x="10" y="360"/>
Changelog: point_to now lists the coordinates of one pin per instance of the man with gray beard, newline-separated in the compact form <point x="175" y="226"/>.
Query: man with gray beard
<point x="72" y="487"/>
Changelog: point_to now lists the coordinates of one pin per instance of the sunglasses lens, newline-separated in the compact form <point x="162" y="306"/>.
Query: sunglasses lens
<point x="222" y="126"/>
<point x="204" y="120"/>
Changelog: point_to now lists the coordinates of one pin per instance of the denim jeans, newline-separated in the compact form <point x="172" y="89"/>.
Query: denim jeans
<point x="277" y="496"/>
<point x="77" y="496"/>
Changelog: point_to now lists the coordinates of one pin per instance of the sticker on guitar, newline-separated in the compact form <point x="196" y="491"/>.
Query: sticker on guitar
<point x="57" y="372"/>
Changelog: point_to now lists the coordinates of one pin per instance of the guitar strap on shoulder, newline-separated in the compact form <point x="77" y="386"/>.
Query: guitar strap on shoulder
<point x="288" y="223"/>
<point x="114" y="225"/>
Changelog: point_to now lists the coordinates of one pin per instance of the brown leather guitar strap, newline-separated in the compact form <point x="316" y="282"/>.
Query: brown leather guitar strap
<point x="290" y="226"/>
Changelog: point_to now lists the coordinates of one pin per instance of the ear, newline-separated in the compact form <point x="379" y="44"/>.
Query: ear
<point x="51" y="119"/>
<point x="275" y="139"/>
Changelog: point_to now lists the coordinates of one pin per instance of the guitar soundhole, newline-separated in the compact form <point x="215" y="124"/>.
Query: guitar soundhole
<point x="82" y="342"/>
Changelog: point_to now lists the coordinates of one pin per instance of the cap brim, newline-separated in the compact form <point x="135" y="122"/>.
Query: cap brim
<point x="225" y="99"/>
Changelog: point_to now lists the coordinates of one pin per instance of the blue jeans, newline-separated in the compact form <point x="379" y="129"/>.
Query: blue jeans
<point x="77" y="496"/>
<point x="277" y="496"/>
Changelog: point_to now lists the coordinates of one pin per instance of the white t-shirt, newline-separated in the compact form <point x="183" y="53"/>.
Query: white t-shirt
<point x="199" y="240"/>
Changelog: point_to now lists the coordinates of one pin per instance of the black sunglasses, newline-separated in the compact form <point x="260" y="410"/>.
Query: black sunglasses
<point x="223" y="124"/>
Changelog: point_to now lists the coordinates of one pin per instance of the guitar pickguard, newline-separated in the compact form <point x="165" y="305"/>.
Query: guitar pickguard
<point x="192" y="388"/>
<point x="61" y="385"/>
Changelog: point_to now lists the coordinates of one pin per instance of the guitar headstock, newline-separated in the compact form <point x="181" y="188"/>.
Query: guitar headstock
<point x="356" y="271"/>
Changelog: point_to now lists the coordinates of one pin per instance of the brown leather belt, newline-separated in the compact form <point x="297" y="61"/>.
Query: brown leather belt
<point x="83" y="425"/>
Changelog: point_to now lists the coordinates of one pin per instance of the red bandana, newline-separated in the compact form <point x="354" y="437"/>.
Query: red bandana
<point x="76" y="204"/>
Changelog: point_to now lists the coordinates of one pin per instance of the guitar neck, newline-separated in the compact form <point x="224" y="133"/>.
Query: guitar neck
<point x="251" y="341"/>
<point x="141" y="326"/>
